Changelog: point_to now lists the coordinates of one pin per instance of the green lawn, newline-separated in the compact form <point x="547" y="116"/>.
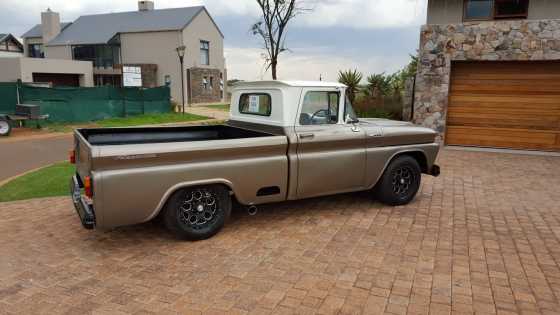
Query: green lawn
<point x="149" y="119"/>
<point x="224" y="107"/>
<point x="138" y="120"/>
<point x="46" y="182"/>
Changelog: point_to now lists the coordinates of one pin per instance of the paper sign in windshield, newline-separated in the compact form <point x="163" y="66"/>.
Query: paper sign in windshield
<point x="254" y="104"/>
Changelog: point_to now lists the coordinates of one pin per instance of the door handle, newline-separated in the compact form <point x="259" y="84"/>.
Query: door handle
<point x="306" y="136"/>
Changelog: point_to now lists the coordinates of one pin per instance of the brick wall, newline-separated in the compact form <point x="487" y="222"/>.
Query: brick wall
<point x="204" y="93"/>
<point x="149" y="74"/>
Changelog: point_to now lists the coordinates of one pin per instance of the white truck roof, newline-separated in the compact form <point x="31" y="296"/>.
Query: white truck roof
<point x="285" y="97"/>
<point x="278" y="83"/>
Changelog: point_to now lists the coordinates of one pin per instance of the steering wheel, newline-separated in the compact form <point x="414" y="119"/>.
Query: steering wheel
<point x="320" y="111"/>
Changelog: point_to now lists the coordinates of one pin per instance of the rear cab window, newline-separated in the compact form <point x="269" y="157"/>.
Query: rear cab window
<point x="259" y="104"/>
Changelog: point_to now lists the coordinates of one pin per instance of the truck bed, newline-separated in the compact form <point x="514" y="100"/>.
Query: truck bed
<point x="124" y="136"/>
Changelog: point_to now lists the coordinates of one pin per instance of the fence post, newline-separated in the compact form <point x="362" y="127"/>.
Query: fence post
<point x="124" y="100"/>
<point x="143" y="102"/>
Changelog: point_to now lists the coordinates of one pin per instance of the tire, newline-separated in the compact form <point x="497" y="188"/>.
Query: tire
<point x="5" y="127"/>
<point x="400" y="181"/>
<point x="197" y="213"/>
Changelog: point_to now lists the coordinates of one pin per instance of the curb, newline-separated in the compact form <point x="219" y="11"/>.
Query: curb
<point x="9" y="179"/>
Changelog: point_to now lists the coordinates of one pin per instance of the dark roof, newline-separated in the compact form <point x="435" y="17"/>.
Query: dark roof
<point x="37" y="31"/>
<point x="101" y="28"/>
<point x="5" y="37"/>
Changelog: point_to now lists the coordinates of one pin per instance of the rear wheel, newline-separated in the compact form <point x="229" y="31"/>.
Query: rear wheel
<point x="197" y="213"/>
<point x="5" y="127"/>
<point x="400" y="182"/>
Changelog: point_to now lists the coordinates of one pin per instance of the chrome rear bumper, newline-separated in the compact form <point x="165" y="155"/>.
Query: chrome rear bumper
<point x="83" y="208"/>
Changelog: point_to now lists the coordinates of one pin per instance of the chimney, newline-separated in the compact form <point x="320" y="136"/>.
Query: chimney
<point x="145" y="5"/>
<point x="50" y="24"/>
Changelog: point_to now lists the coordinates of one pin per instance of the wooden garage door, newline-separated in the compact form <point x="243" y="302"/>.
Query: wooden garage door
<point x="505" y="105"/>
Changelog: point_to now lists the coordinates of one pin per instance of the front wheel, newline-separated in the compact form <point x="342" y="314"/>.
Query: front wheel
<point x="400" y="182"/>
<point x="5" y="127"/>
<point x="197" y="213"/>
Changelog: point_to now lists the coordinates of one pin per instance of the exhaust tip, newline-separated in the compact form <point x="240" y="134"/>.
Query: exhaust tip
<point x="252" y="210"/>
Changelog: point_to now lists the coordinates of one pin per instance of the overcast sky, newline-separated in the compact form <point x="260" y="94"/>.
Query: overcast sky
<point x="373" y="36"/>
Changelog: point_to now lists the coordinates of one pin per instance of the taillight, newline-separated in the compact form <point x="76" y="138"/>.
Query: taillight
<point x="88" y="188"/>
<point x="72" y="156"/>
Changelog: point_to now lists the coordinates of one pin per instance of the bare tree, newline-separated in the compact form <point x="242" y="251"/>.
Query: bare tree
<point x="276" y="14"/>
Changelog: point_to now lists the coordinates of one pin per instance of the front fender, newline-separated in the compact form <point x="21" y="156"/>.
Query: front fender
<point x="429" y="151"/>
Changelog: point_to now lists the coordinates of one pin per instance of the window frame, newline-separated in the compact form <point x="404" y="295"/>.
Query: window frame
<point x="511" y="16"/>
<point x="493" y="16"/>
<point x="41" y="51"/>
<point x="269" y="112"/>
<point x="328" y="92"/>
<point x="206" y="50"/>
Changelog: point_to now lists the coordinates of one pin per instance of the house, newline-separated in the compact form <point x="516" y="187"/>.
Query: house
<point x="10" y="46"/>
<point x="55" y="72"/>
<point x="146" y="40"/>
<point x="489" y="73"/>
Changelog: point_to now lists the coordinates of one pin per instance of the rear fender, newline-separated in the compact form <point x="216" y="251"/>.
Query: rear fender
<point x="179" y="186"/>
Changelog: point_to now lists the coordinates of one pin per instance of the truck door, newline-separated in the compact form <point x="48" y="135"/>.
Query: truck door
<point x="331" y="153"/>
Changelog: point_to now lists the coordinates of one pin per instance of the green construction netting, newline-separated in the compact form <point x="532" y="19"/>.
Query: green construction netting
<point x="70" y="104"/>
<point x="8" y="97"/>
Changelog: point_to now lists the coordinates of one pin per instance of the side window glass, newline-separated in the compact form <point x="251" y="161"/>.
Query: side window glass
<point x="349" y="110"/>
<point x="319" y="108"/>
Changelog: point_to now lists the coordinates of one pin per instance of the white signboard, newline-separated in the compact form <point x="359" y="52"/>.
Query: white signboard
<point x="132" y="76"/>
<point x="254" y="104"/>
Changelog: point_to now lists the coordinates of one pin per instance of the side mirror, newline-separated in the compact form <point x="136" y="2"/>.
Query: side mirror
<point x="350" y="120"/>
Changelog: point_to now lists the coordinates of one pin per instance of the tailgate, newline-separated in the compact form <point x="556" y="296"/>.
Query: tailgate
<point x="83" y="152"/>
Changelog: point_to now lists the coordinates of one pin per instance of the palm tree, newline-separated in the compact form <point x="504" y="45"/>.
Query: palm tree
<point x="352" y="79"/>
<point x="378" y="85"/>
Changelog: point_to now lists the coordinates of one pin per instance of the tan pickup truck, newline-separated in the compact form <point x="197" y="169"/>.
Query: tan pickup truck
<point x="284" y="141"/>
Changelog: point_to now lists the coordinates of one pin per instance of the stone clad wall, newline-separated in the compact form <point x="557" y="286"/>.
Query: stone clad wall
<point x="198" y="94"/>
<point x="477" y="41"/>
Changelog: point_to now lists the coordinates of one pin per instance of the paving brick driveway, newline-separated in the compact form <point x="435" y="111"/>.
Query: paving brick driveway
<point x="484" y="237"/>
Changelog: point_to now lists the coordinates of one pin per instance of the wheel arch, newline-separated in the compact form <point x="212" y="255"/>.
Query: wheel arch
<point x="417" y="154"/>
<point x="173" y="189"/>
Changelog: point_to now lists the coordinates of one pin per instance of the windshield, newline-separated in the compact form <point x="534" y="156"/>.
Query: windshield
<point x="349" y="111"/>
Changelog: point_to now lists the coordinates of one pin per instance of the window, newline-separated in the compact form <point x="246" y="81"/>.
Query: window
<point x="204" y="53"/>
<point x="511" y="8"/>
<point x="36" y="51"/>
<point x="349" y="110"/>
<point x="320" y="108"/>
<point x="479" y="9"/>
<point x="255" y="104"/>
<point x="205" y="83"/>
<point x="495" y="9"/>
<point x="102" y="56"/>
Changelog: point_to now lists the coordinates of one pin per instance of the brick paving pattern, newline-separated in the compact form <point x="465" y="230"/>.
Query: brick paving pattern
<point x="483" y="238"/>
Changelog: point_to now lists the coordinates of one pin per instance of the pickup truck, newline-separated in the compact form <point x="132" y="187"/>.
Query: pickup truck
<point x="285" y="140"/>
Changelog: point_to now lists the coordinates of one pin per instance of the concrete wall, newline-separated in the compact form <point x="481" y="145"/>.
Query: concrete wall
<point x="39" y="65"/>
<point x="160" y="48"/>
<point x="451" y="11"/>
<point x="12" y="54"/>
<point x="58" y="52"/>
<point x="445" y="11"/>
<point x="11" y="70"/>
<point x="202" y="28"/>
<point x="155" y="48"/>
